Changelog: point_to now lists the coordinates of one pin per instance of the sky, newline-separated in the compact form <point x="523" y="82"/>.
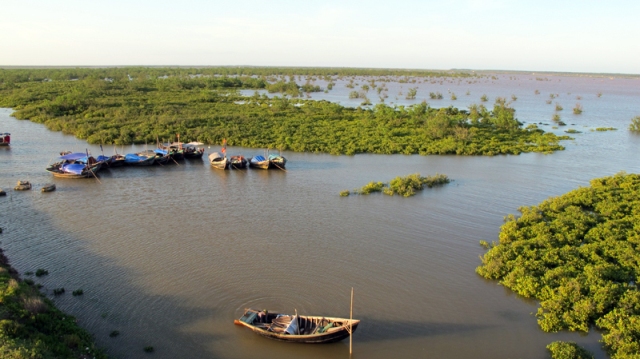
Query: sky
<point x="561" y="35"/>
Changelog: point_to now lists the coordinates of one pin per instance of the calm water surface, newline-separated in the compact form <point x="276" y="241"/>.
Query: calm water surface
<point x="169" y="256"/>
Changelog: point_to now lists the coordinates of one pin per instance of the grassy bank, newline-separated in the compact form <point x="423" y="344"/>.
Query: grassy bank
<point x="32" y="327"/>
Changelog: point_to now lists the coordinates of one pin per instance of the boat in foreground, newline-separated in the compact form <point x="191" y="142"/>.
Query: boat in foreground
<point x="297" y="328"/>
<point x="5" y="139"/>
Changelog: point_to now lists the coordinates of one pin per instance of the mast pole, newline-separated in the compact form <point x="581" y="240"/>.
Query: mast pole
<point x="351" y="325"/>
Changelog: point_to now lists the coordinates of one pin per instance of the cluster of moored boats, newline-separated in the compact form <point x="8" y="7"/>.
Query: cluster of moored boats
<point x="83" y="165"/>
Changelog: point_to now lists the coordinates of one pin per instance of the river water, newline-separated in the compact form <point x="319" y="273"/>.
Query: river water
<point x="169" y="256"/>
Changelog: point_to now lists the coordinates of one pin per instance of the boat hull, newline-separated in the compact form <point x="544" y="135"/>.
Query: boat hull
<point x="86" y="174"/>
<point x="49" y="188"/>
<point x="237" y="163"/>
<point x="332" y="335"/>
<point x="263" y="165"/>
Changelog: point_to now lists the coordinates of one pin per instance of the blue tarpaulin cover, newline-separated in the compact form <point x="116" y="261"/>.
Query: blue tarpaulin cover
<point x="73" y="168"/>
<point x="259" y="158"/>
<point x="131" y="157"/>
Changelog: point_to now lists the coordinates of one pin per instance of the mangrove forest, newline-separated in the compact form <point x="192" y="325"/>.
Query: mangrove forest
<point x="120" y="106"/>
<point x="579" y="256"/>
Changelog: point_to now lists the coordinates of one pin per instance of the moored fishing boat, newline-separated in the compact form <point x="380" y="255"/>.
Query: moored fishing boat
<point x="117" y="160"/>
<point x="218" y="161"/>
<point x="75" y="165"/>
<point x="297" y="328"/>
<point x="175" y="149"/>
<point x="162" y="156"/>
<point x="259" y="161"/>
<point x="193" y="150"/>
<point x="144" y="158"/>
<point x="277" y="161"/>
<point x="237" y="162"/>
<point x="5" y="139"/>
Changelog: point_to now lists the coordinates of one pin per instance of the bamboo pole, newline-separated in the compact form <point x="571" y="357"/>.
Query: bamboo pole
<point x="351" y="325"/>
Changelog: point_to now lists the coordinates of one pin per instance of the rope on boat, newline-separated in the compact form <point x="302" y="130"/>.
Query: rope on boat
<point x="279" y="167"/>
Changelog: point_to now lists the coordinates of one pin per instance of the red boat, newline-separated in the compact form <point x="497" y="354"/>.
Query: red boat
<point x="5" y="139"/>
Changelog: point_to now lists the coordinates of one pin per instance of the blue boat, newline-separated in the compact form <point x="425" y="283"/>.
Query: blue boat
<point x="140" y="158"/>
<point x="75" y="165"/>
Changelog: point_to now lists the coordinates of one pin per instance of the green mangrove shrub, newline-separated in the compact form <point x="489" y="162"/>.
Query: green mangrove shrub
<point x="405" y="186"/>
<point x="568" y="350"/>
<point x="577" y="109"/>
<point x="577" y="255"/>
<point x="635" y="124"/>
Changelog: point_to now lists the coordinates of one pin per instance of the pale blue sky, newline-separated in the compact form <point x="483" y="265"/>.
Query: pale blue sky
<point x="574" y="36"/>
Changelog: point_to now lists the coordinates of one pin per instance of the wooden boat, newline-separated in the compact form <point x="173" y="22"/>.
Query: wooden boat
<point x="259" y="162"/>
<point x="219" y="161"/>
<point x="175" y="149"/>
<point x="50" y="187"/>
<point x="75" y="165"/>
<point x="297" y="328"/>
<point x="23" y="186"/>
<point x="5" y="139"/>
<point x="162" y="156"/>
<point x="193" y="150"/>
<point x="144" y="158"/>
<point x="117" y="160"/>
<point x="277" y="161"/>
<point x="237" y="162"/>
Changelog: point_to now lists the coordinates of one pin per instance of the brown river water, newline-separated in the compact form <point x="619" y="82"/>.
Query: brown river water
<point x="170" y="256"/>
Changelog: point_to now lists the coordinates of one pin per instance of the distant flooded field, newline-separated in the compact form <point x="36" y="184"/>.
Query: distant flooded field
<point x="170" y="256"/>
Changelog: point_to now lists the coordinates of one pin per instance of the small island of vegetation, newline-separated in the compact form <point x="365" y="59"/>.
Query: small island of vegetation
<point x="403" y="186"/>
<point x="122" y="106"/>
<point x="579" y="256"/>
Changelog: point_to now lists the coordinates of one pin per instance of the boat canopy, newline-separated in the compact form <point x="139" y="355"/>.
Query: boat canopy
<point x="259" y="158"/>
<point x="194" y="144"/>
<point x="161" y="151"/>
<point x="215" y="156"/>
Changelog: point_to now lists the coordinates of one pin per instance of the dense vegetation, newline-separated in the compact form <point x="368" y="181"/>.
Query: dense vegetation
<point x="139" y="105"/>
<point x="635" y="124"/>
<point x="403" y="186"/>
<point x="579" y="256"/>
<point x="32" y="328"/>
<point x="568" y="350"/>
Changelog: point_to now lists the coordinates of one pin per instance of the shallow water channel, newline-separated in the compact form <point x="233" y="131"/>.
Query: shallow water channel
<point x="170" y="256"/>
